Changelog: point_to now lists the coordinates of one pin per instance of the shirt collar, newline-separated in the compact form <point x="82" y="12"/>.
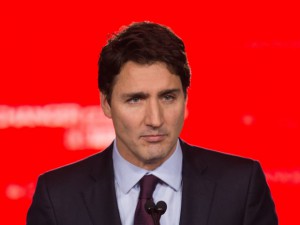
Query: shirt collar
<point x="170" y="172"/>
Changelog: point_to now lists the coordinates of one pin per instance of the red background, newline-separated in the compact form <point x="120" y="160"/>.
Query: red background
<point x="244" y="97"/>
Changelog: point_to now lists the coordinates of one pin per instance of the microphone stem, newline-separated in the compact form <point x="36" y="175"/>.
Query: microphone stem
<point x="155" y="218"/>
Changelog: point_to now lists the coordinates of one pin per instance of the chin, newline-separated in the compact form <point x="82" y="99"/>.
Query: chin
<point x="154" y="161"/>
<point x="157" y="156"/>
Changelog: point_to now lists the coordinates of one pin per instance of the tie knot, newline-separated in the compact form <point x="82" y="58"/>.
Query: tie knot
<point x="147" y="185"/>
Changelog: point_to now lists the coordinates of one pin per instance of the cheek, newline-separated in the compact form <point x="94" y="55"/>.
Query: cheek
<point x="125" y="121"/>
<point x="175" y="116"/>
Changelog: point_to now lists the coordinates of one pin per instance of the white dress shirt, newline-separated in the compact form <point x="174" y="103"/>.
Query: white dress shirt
<point x="128" y="175"/>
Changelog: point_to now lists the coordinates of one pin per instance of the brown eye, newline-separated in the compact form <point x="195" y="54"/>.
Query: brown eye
<point x="168" y="97"/>
<point x="134" y="100"/>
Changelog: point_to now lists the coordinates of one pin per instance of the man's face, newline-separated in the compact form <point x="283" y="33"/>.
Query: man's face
<point x="147" y="108"/>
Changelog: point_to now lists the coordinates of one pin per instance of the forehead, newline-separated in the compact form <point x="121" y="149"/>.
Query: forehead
<point x="145" y="77"/>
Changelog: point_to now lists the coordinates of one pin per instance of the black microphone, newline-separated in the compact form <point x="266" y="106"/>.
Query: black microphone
<point x="150" y="209"/>
<point x="156" y="211"/>
<point x="161" y="208"/>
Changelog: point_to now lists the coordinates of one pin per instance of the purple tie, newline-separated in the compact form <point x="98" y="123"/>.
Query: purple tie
<point x="147" y="187"/>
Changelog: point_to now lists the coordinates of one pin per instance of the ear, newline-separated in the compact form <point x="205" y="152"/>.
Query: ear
<point x="186" y="100"/>
<point x="186" y="112"/>
<point x="105" y="105"/>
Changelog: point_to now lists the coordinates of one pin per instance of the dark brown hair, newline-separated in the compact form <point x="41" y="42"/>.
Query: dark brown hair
<point x="143" y="43"/>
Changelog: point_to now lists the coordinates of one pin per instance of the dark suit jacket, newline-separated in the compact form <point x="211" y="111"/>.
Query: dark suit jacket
<point x="218" y="189"/>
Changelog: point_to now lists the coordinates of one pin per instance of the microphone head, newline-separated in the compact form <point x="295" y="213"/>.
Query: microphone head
<point x="149" y="206"/>
<point x="161" y="207"/>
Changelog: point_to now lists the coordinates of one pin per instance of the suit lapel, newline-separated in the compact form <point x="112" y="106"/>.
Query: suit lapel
<point x="100" y="197"/>
<point x="197" y="192"/>
<point x="101" y="202"/>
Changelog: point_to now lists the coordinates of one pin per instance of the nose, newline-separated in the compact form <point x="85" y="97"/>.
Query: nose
<point x="154" y="114"/>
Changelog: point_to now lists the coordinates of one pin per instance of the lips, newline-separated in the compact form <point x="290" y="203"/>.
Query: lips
<point x="154" y="138"/>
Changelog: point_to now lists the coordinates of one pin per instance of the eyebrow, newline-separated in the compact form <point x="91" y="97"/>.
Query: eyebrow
<point x="145" y="95"/>
<point x="134" y="94"/>
<point x="169" y="91"/>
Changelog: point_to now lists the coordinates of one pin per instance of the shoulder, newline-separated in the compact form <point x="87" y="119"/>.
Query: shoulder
<point x="212" y="156"/>
<point x="80" y="172"/>
<point x="235" y="181"/>
<point x="218" y="165"/>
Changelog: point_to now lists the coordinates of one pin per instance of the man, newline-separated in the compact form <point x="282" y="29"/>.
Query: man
<point x="143" y="79"/>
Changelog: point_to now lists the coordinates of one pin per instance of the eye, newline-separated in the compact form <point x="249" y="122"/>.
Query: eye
<point x="169" y="98"/>
<point x="134" y="100"/>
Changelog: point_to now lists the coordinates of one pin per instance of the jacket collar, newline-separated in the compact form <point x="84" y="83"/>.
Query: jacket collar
<point x="197" y="193"/>
<point x="198" y="189"/>
<point x="100" y="198"/>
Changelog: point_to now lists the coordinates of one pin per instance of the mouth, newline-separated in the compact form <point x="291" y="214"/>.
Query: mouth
<point x="154" y="138"/>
